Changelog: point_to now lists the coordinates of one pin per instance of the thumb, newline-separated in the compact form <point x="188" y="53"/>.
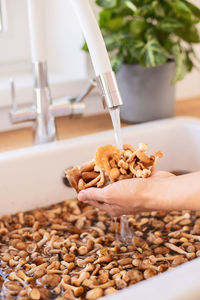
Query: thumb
<point x="91" y="194"/>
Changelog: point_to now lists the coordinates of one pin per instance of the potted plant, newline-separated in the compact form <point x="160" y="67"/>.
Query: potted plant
<point x="151" y="48"/>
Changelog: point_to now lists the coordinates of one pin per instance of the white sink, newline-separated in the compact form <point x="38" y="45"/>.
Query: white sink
<point x="32" y="177"/>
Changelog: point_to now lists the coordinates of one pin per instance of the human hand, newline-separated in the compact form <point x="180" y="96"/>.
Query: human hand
<point x="130" y="195"/>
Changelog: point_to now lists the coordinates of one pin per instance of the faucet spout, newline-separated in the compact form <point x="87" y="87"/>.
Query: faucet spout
<point x="109" y="90"/>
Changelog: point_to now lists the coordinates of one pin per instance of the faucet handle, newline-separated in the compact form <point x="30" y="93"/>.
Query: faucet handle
<point x="13" y="94"/>
<point x="92" y="84"/>
<point x="18" y="115"/>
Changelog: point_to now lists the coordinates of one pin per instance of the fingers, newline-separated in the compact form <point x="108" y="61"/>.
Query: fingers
<point x="109" y="198"/>
<point x="91" y="194"/>
<point x="104" y="195"/>
<point x="112" y="210"/>
<point x="111" y="194"/>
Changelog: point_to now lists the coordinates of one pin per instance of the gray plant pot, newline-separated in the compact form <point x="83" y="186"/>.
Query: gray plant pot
<point x="147" y="93"/>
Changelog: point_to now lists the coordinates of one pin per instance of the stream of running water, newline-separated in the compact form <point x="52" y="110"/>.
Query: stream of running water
<point x="125" y="231"/>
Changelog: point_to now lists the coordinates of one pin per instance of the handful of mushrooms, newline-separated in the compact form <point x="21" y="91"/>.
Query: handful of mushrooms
<point x="112" y="164"/>
<point x="69" y="251"/>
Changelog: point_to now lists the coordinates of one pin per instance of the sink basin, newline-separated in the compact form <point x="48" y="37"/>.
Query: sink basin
<point x="32" y="177"/>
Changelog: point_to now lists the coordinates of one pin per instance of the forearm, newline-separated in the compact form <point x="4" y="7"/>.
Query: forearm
<point x="162" y="191"/>
<point x="175" y="193"/>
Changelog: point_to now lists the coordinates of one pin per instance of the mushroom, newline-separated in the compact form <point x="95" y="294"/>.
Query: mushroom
<point x="88" y="268"/>
<point x="103" y="259"/>
<point x="114" y="174"/>
<point x="175" y="248"/>
<point x="154" y="259"/>
<point x="191" y="236"/>
<point x="128" y="147"/>
<point x="13" y="276"/>
<point x="35" y="268"/>
<point x="94" y="293"/>
<point x="104" y="154"/>
<point x="87" y="167"/>
<point x="77" y="291"/>
<point x="125" y="261"/>
<point x="148" y="273"/>
<point x="45" y="238"/>
<point x="77" y="281"/>
<point x="73" y="177"/>
<point x="158" y="155"/>
<point x="68" y="294"/>
<point x="23" y="276"/>
<point x="90" y="283"/>
<point x="69" y="257"/>
<point x="96" y="270"/>
<point x="103" y="277"/>
<point x="122" y="164"/>
<point x="34" y="294"/>
<point x="111" y="265"/>
<point x="135" y="275"/>
<point x="125" y="276"/>
<point x="109" y="291"/>
<point x="83" y="250"/>
<point x="31" y="248"/>
<point x="120" y="283"/>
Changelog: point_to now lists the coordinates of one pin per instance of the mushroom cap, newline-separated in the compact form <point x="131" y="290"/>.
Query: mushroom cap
<point x="104" y="154"/>
<point x="73" y="176"/>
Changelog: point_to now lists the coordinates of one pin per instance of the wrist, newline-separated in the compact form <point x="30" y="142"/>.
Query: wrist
<point x="174" y="193"/>
<point x="161" y="194"/>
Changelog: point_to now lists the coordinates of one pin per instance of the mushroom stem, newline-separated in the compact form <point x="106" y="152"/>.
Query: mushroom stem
<point x="175" y="248"/>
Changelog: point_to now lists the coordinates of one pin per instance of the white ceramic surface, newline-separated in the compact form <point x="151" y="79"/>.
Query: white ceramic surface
<point x="32" y="177"/>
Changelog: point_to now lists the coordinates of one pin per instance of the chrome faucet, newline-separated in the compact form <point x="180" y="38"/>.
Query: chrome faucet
<point x="44" y="109"/>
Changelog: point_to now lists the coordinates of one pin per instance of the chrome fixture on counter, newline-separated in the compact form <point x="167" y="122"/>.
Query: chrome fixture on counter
<point x="44" y="109"/>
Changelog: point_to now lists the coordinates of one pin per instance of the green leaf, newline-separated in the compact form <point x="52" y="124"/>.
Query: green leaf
<point x="104" y="17"/>
<point x="131" y="6"/>
<point x="137" y="26"/>
<point x="106" y="3"/>
<point x="150" y="32"/>
<point x="115" y="24"/>
<point x="189" y="34"/>
<point x="169" y="24"/>
<point x="113" y="41"/>
<point x="148" y="10"/>
<point x="85" y="47"/>
<point x="183" y="64"/>
<point x="168" y="44"/>
<point x="195" y="10"/>
<point x="181" y="9"/>
<point x="159" y="10"/>
<point x="153" y="54"/>
<point x="116" y="62"/>
<point x="135" y="48"/>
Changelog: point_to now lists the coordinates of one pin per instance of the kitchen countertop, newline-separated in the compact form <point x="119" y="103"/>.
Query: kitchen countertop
<point x="68" y="128"/>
